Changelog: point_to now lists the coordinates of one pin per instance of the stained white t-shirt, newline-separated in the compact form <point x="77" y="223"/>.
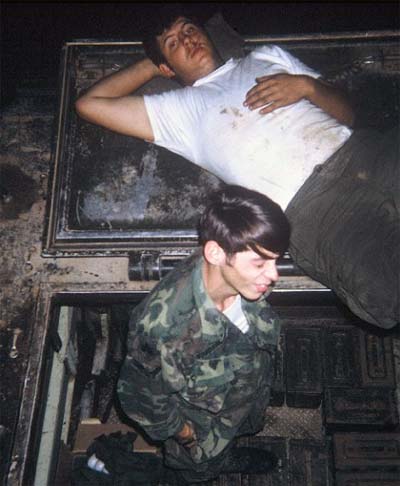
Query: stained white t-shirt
<point x="274" y="154"/>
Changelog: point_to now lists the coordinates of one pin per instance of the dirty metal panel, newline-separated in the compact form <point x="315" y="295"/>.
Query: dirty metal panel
<point x="111" y="194"/>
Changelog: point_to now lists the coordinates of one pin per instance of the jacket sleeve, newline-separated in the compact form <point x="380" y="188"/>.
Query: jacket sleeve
<point x="148" y="380"/>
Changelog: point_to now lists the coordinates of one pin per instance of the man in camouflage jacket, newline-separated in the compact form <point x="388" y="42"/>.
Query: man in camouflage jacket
<point x="191" y="377"/>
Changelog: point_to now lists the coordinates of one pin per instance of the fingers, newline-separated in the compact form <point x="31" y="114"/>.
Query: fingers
<point x="271" y="107"/>
<point x="263" y="98"/>
<point x="272" y="92"/>
<point x="187" y="437"/>
<point x="260" y="87"/>
<point x="189" y="443"/>
<point x="267" y="90"/>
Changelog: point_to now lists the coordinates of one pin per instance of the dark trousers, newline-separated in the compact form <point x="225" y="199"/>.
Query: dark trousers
<point x="346" y="225"/>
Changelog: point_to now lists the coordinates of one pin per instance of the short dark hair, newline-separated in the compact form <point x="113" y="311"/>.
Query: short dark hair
<point x="239" y="219"/>
<point x="163" y="20"/>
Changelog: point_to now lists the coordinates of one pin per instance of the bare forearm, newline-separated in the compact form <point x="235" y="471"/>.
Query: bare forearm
<point x="124" y="82"/>
<point x="109" y="102"/>
<point x="331" y="100"/>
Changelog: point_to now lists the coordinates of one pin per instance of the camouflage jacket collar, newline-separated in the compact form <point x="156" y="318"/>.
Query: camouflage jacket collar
<point x="211" y="323"/>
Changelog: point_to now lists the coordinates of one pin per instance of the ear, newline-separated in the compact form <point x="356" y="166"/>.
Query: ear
<point x="166" y="71"/>
<point x="213" y="253"/>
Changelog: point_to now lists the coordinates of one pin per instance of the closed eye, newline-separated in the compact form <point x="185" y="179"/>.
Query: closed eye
<point x="171" y="44"/>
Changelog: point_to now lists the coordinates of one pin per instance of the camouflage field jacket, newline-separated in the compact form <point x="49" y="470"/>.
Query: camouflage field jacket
<point x="186" y="362"/>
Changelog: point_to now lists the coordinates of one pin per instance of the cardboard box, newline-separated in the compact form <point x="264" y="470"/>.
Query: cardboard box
<point x="89" y="429"/>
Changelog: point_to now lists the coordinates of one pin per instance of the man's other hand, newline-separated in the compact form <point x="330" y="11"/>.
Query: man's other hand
<point x="278" y="90"/>
<point x="186" y="436"/>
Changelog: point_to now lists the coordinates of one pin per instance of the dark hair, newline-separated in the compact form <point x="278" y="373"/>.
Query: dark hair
<point x="239" y="219"/>
<point x="163" y="20"/>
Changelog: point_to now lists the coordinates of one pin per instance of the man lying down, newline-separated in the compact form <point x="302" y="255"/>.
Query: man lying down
<point x="270" y="123"/>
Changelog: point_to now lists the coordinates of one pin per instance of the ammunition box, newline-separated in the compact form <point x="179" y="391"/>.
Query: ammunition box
<point x="277" y="477"/>
<point x="369" y="407"/>
<point x="309" y="463"/>
<point x="370" y="478"/>
<point x="278" y="386"/>
<point x="304" y="368"/>
<point x="340" y="357"/>
<point x="372" y="450"/>
<point x="376" y="360"/>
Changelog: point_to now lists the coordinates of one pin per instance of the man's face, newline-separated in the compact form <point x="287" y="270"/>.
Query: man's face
<point x="188" y="51"/>
<point x="250" y="274"/>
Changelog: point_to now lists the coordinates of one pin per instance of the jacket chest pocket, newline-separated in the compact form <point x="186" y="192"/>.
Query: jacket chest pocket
<point x="209" y="373"/>
<point x="218" y="373"/>
<point x="208" y="382"/>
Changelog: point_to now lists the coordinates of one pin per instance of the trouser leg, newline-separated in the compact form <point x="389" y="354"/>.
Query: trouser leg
<point x="346" y="226"/>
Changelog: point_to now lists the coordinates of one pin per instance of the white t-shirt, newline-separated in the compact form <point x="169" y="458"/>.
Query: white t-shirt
<point x="236" y="315"/>
<point x="274" y="154"/>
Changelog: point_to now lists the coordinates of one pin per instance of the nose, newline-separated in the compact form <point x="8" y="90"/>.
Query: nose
<point x="271" y="271"/>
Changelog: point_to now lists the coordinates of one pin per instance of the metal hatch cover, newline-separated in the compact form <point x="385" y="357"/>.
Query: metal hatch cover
<point x="113" y="195"/>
